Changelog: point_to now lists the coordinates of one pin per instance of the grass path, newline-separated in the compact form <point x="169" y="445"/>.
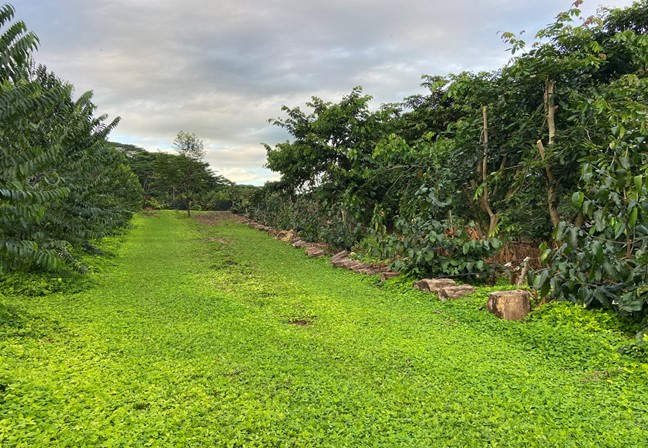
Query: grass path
<point x="217" y="335"/>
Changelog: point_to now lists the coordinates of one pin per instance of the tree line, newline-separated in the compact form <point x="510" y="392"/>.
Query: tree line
<point x="182" y="181"/>
<point x="548" y="150"/>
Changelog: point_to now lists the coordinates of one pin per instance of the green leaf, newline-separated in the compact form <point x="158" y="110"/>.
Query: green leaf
<point x="573" y="236"/>
<point x="632" y="219"/>
<point x="638" y="182"/>
<point x="540" y="279"/>
<point x="577" y="199"/>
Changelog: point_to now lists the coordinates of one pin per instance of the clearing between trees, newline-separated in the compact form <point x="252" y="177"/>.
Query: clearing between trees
<point x="204" y="332"/>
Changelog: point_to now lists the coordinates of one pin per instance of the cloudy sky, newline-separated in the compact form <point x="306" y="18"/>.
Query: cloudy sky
<point x="222" y="68"/>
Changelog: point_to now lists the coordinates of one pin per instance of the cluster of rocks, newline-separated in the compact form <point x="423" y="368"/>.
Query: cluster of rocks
<point x="509" y="305"/>
<point x="342" y="260"/>
<point x="444" y="288"/>
<point x="256" y="225"/>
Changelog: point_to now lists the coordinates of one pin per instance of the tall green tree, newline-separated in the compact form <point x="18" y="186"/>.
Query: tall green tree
<point x="60" y="185"/>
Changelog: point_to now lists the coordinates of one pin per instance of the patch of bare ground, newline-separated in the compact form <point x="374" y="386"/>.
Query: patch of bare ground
<point x="215" y="218"/>
<point x="301" y="322"/>
<point x="212" y="239"/>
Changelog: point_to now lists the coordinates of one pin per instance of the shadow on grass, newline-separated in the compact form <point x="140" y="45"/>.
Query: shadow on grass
<point x="18" y="323"/>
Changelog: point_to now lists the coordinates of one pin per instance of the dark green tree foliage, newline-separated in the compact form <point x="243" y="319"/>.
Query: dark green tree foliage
<point x="551" y="145"/>
<point x="167" y="178"/>
<point x="328" y="162"/>
<point x="141" y="163"/>
<point x="190" y="173"/>
<point x="604" y="261"/>
<point x="60" y="184"/>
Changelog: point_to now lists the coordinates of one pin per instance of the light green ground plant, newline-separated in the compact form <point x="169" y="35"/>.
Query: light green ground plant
<point x="218" y="335"/>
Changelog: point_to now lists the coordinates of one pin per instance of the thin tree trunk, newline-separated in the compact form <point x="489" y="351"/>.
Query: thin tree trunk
<point x="484" y="199"/>
<point x="550" y="111"/>
<point x="551" y="191"/>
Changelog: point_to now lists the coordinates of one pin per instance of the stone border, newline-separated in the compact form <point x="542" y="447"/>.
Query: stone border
<point x="508" y="305"/>
<point x="316" y="250"/>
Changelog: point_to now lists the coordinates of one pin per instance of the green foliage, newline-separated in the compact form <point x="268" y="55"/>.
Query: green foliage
<point x="174" y="181"/>
<point x="429" y="248"/>
<point x="241" y="197"/>
<point x="190" y="146"/>
<point x="222" y="336"/>
<point x="556" y="135"/>
<point x="426" y="244"/>
<point x="604" y="261"/>
<point x="60" y="184"/>
<point x="567" y="314"/>
<point x="16" y="46"/>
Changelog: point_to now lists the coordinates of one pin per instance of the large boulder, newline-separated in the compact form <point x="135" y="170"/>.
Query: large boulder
<point x="509" y="305"/>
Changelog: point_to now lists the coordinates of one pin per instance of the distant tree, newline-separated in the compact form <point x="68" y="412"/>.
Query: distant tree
<point x="142" y="163"/>
<point x="191" y="174"/>
<point x="188" y="145"/>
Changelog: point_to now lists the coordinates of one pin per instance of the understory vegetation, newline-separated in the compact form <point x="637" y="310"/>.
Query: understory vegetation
<point x="209" y="333"/>
<point x="549" y="151"/>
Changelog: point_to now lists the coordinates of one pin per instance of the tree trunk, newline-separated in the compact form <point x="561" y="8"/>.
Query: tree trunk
<point x="550" y="110"/>
<point x="551" y="191"/>
<point x="484" y="199"/>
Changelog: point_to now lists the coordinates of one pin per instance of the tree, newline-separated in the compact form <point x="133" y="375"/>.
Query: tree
<point x="188" y="173"/>
<point x="190" y="146"/>
<point x="60" y="185"/>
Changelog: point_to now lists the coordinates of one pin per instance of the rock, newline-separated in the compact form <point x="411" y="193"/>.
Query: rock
<point x="363" y="268"/>
<point x="509" y="305"/>
<point x="260" y="227"/>
<point x="339" y="263"/>
<point x="338" y="259"/>
<point x="346" y="263"/>
<point x="299" y="244"/>
<point x="387" y="275"/>
<point x="287" y="236"/>
<point x="434" y="284"/>
<point x="314" y="251"/>
<point x="455" y="292"/>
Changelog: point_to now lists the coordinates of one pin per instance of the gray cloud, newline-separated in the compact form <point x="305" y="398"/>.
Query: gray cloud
<point x="221" y="69"/>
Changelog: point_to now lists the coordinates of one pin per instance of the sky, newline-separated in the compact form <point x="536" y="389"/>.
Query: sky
<point x="222" y="68"/>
